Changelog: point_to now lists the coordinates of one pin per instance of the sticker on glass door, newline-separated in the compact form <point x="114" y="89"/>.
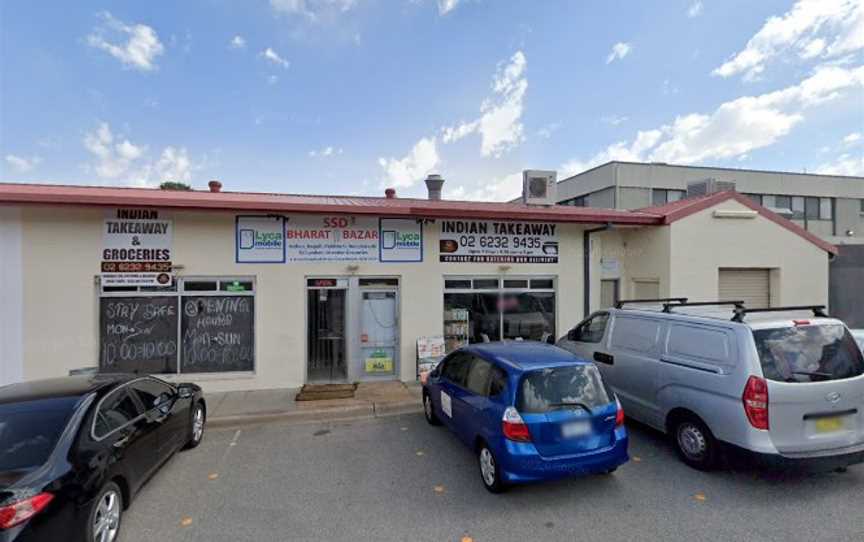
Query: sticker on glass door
<point x="379" y="333"/>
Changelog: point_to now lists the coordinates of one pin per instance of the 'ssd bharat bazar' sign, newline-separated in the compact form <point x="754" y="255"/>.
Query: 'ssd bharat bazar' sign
<point x="481" y="241"/>
<point x="327" y="238"/>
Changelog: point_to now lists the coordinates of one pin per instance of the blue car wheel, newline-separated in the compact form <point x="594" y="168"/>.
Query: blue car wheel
<point x="429" y="410"/>
<point x="490" y="472"/>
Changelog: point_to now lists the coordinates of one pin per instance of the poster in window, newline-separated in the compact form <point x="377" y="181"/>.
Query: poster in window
<point x="136" y="247"/>
<point x="481" y="241"/>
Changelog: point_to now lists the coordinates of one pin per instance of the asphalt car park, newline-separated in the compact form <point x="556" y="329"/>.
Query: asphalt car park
<point x="398" y="478"/>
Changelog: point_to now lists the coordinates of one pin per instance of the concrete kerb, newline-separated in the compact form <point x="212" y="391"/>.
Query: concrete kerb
<point x="330" y="414"/>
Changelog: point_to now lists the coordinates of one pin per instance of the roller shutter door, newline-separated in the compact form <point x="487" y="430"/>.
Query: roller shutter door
<point x="753" y="286"/>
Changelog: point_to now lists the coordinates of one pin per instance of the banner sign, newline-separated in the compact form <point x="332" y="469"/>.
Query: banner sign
<point x="317" y="238"/>
<point x="481" y="241"/>
<point x="260" y="239"/>
<point x="137" y="242"/>
<point x="401" y="240"/>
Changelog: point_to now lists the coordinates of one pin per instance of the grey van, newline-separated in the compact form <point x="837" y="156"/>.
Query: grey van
<point x="783" y="386"/>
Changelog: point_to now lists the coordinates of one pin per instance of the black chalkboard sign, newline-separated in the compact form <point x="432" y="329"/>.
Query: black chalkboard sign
<point x="138" y="334"/>
<point x="217" y="333"/>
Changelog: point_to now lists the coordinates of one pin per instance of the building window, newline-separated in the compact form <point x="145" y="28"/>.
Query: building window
<point x="574" y="202"/>
<point x="198" y="325"/>
<point x="811" y="208"/>
<point x="661" y="196"/>
<point x="783" y="203"/>
<point x="798" y="207"/>
<point x="862" y="206"/>
<point x="518" y="308"/>
<point x="755" y="198"/>
<point x="826" y="209"/>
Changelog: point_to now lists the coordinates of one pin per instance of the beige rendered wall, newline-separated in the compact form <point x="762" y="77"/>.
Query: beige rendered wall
<point x="61" y="260"/>
<point x="640" y="253"/>
<point x="701" y="244"/>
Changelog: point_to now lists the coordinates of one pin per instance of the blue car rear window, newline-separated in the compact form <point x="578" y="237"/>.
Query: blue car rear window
<point x="562" y="387"/>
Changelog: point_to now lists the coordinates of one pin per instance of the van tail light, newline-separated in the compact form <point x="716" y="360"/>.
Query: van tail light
<point x="755" y="400"/>
<point x="619" y="414"/>
<point x="20" y="511"/>
<point x="513" y="427"/>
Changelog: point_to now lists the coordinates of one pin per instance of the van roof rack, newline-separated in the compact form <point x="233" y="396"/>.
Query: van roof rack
<point x="818" y="311"/>
<point x="620" y="304"/>
<point x="667" y="307"/>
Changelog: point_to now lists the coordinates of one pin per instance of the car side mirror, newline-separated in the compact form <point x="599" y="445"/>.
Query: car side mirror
<point x="550" y="339"/>
<point x="572" y="335"/>
<point x="185" y="391"/>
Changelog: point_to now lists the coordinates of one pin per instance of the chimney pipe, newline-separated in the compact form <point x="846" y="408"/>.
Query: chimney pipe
<point x="433" y="185"/>
<point x="390" y="193"/>
<point x="215" y="186"/>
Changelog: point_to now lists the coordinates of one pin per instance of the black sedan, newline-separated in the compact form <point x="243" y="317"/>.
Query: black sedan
<point x="75" y="450"/>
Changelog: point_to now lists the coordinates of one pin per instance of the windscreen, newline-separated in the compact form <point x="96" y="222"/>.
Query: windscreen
<point x="808" y="353"/>
<point x="562" y="387"/>
<point x="30" y="430"/>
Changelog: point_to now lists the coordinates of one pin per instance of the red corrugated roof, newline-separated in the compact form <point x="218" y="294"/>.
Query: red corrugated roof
<point x="296" y="203"/>
<point x="49" y="194"/>
<point x="672" y="212"/>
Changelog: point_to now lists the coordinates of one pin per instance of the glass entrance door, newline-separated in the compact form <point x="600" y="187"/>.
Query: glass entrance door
<point x="326" y="358"/>
<point x="379" y="333"/>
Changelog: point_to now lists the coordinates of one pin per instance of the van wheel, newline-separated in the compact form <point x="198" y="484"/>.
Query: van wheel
<point x="694" y="443"/>
<point x="429" y="410"/>
<point x="490" y="472"/>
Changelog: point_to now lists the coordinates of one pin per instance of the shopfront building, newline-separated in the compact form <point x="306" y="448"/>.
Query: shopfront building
<point x="249" y="291"/>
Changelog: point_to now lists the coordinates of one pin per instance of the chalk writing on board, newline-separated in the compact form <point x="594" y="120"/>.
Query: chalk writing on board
<point x="138" y="334"/>
<point x="217" y="333"/>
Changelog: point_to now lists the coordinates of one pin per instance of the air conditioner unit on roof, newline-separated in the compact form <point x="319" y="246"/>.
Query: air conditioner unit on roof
<point x="539" y="187"/>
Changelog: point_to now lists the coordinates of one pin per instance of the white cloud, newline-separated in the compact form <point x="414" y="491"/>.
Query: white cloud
<point x="845" y="164"/>
<point x="733" y="129"/>
<point x="500" y="124"/>
<point x="421" y="161"/>
<point x="504" y="188"/>
<point x="805" y="30"/>
<point x="446" y="6"/>
<point x="313" y="9"/>
<point x="237" y="42"/>
<point x="21" y="163"/>
<point x="272" y="79"/>
<point x="619" y="51"/>
<point x="852" y="138"/>
<point x="118" y="158"/>
<point x="547" y="131"/>
<point x="325" y="152"/>
<point x="274" y="57"/>
<point x="695" y="9"/>
<point x="614" y="120"/>
<point x="138" y="44"/>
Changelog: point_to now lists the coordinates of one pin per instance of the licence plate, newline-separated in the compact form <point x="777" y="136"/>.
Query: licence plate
<point x="829" y="425"/>
<point x="575" y="429"/>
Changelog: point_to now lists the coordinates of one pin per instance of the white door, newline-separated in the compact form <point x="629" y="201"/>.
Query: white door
<point x="752" y="286"/>
<point x="379" y="333"/>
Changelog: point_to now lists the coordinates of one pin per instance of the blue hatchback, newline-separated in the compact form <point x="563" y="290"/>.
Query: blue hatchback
<point x="531" y="412"/>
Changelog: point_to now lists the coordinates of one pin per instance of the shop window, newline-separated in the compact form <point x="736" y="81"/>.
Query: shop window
<point x="197" y="325"/>
<point x="457" y="284"/>
<point x="505" y="312"/>
<point x="485" y="284"/>
<point x="515" y="284"/>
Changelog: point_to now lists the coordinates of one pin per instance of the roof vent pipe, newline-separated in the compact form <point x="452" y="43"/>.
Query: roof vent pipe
<point x="215" y="186"/>
<point x="433" y="185"/>
<point x="390" y="193"/>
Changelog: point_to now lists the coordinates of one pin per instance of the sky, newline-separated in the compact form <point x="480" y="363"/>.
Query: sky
<point x="352" y="96"/>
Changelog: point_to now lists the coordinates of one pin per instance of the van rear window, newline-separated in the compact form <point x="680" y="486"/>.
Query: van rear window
<point x="808" y="353"/>
<point x="562" y="387"/>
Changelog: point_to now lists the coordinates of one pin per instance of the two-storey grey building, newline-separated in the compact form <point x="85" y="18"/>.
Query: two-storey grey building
<point x="830" y="206"/>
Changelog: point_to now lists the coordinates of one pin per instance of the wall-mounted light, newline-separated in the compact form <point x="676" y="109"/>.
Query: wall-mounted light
<point x="353" y="268"/>
<point x="850" y="233"/>
<point x="720" y="213"/>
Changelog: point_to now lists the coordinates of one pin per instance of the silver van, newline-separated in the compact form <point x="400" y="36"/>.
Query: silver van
<point x="783" y="386"/>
